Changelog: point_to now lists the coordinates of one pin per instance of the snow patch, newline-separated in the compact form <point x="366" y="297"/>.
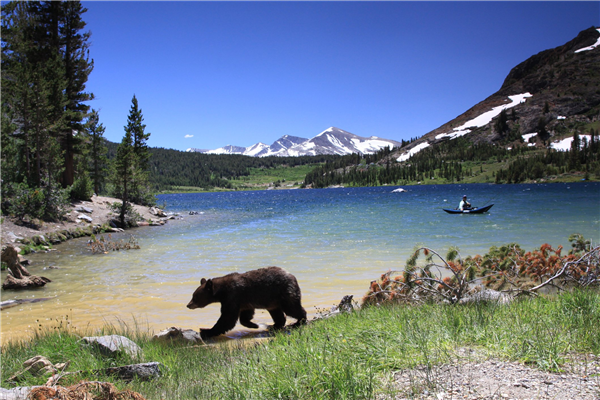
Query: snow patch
<point x="529" y="136"/>
<point x="486" y="117"/>
<point x="561" y="117"/>
<point x="325" y="131"/>
<point x="565" y="144"/>
<point x="592" y="47"/>
<point x="412" y="151"/>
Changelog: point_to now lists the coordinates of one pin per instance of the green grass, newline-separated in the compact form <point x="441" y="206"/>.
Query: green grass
<point x="346" y="357"/>
<point x="268" y="176"/>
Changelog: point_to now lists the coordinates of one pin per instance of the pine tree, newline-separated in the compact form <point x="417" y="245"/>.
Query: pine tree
<point x="574" y="163"/>
<point x="98" y="150"/>
<point x="137" y="127"/>
<point x="501" y="124"/>
<point x="139" y="192"/>
<point x="124" y="174"/>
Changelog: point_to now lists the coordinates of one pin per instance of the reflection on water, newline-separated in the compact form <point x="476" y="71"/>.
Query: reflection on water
<point x="335" y="241"/>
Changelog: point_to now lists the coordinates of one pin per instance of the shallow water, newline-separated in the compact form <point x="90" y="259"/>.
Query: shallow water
<point x="334" y="240"/>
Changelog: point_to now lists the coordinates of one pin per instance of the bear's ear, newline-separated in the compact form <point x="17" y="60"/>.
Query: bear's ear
<point x="202" y="281"/>
<point x="209" y="285"/>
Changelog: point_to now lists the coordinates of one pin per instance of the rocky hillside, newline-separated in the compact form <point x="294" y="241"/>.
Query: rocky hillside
<point x="546" y="97"/>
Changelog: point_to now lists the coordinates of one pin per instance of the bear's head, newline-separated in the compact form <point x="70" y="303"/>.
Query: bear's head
<point x="203" y="296"/>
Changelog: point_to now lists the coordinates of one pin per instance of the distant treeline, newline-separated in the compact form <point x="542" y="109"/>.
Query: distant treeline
<point x="173" y="168"/>
<point x="446" y="161"/>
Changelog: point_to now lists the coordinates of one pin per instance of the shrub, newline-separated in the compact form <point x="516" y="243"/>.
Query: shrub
<point x="82" y="188"/>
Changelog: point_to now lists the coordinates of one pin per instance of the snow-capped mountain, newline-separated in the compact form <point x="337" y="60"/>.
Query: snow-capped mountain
<point x="330" y="141"/>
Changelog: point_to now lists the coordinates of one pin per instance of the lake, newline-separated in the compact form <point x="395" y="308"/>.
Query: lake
<point x="335" y="241"/>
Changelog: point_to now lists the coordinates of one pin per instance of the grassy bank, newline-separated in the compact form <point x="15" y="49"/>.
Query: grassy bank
<point x="348" y="356"/>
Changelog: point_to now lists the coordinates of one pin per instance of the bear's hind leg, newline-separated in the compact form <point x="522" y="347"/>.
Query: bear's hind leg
<point x="246" y="319"/>
<point x="278" y="317"/>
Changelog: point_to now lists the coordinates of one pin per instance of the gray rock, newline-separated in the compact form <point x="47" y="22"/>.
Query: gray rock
<point x="488" y="295"/>
<point x="145" y="371"/>
<point x="12" y="237"/>
<point x="157" y="211"/>
<point x="84" y="209"/>
<point x="110" y="344"/>
<point x="178" y="334"/>
<point x="18" y="393"/>
<point x="85" y="217"/>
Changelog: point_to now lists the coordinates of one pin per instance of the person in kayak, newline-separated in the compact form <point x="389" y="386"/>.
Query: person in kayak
<point x="464" y="204"/>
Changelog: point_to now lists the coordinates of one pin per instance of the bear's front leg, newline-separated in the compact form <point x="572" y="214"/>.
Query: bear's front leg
<point x="246" y="319"/>
<point x="226" y="322"/>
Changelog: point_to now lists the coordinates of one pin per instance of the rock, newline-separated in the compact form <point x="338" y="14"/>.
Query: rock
<point x="145" y="371"/>
<point x="18" y="393"/>
<point x="157" y="211"/>
<point x="110" y="344"/>
<point x="488" y="295"/>
<point x="86" y="218"/>
<point x="39" y="240"/>
<point x="12" y="237"/>
<point x="178" y="334"/>
<point x="83" y="209"/>
<point x="346" y="306"/>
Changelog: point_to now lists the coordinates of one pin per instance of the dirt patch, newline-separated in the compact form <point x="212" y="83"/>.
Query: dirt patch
<point x="475" y="377"/>
<point x="100" y="214"/>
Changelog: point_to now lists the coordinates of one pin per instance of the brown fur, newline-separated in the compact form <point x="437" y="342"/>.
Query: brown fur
<point x="271" y="288"/>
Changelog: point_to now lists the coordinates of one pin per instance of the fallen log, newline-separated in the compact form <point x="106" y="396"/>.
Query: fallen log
<point x="19" y="277"/>
<point x="12" y="303"/>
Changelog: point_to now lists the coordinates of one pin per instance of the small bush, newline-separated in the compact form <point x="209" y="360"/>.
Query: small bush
<point x="82" y="188"/>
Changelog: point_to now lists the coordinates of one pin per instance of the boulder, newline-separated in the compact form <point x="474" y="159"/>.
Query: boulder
<point x="12" y="237"/>
<point x="488" y="295"/>
<point x="17" y="393"/>
<point x="111" y="344"/>
<point x="178" y="334"/>
<point x="84" y="209"/>
<point x="157" y="211"/>
<point x="145" y="371"/>
<point x="86" y="218"/>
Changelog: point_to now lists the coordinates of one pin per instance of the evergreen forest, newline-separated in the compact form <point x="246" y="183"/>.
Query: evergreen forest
<point x="461" y="160"/>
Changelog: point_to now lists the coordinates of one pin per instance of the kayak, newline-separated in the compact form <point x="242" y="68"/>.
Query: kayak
<point x="477" y="210"/>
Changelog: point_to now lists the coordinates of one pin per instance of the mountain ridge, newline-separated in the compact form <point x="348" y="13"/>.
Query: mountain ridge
<point x="547" y="94"/>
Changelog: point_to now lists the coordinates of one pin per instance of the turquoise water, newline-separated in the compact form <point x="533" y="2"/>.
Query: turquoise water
<point x="334" y="240"/>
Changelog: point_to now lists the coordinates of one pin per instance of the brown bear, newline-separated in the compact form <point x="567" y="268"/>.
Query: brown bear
<point x="271" y="288"/>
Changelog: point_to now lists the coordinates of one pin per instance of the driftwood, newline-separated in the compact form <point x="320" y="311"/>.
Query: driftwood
<point x="12" y="303"/>
<point x="19" y="277"/>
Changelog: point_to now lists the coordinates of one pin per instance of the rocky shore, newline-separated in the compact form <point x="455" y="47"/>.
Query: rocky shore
<point x="83" y="218"/>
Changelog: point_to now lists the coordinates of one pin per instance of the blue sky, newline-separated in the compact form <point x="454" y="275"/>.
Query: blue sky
<point x="208" y="74"/>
